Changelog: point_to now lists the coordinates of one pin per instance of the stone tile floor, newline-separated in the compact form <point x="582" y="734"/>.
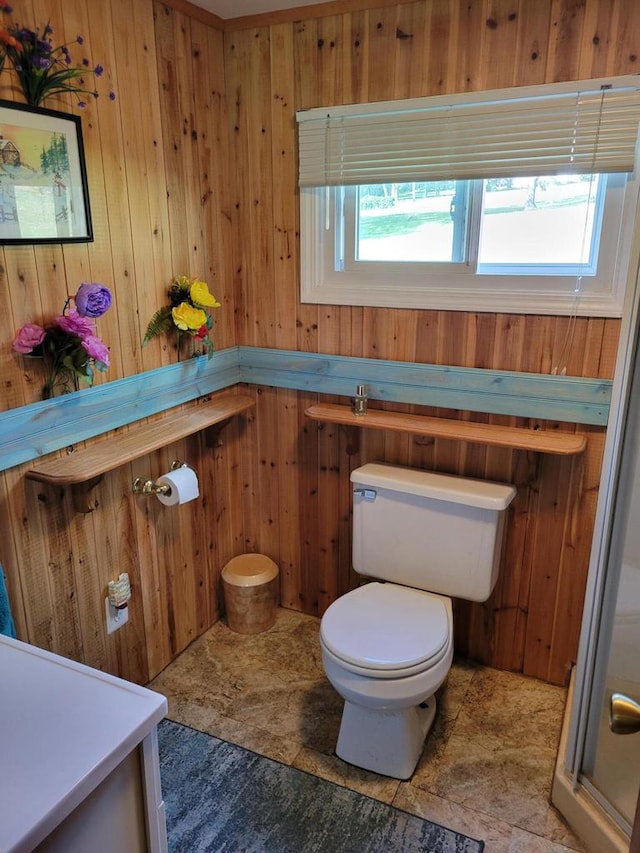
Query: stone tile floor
<point x="486" y="770"/>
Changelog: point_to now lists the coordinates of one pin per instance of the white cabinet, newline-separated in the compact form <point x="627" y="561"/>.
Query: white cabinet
<point x="78" y="758"/>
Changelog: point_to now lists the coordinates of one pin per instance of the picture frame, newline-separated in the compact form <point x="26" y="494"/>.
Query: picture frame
<point x="44" y="195"/>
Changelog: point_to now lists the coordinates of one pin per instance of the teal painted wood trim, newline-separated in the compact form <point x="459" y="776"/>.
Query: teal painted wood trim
<point x="529" y="395"/>
<point x="40" y="428"/>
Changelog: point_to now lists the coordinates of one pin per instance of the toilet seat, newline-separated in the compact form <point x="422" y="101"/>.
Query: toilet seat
<point x="383" y="630"/>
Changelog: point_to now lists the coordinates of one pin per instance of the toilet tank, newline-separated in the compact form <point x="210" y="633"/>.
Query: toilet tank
<point x="434" y="532"/>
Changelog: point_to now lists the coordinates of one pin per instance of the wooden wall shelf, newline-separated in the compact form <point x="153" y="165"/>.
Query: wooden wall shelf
<point x="85" y="468"/>
<point x="539" y="441"/>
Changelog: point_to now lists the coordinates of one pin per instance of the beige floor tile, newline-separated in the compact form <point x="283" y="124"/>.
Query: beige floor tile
<point x="195" y="676"/>
<point x="525" y="842"/>
<point x="501" y="754"/>
<point x="503" y="708"/>
<point x="258" y="740"/>
<point x="425" y="774"/>
<point x="305" y="711"/>
<point x="272" y="682"/>
<point x="510" y="783"/>
<point x="333" y="769"/>
<point x="495" y="833"/>
<point x="450" y="697"/>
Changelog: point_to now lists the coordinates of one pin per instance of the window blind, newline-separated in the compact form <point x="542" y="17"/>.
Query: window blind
<point x="580" y="127"/>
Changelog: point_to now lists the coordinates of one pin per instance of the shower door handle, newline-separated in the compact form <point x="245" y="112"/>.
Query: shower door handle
<point x="624" y="715"/>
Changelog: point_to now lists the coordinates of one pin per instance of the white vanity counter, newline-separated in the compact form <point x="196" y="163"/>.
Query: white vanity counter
<point x="65" y="730"/>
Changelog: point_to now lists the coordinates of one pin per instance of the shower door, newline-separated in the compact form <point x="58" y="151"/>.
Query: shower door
<point x="611" y="762"/>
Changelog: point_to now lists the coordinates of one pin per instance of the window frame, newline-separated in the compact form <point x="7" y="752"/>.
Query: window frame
<point x="587" y="126"/>
<point x="457" y="286"/>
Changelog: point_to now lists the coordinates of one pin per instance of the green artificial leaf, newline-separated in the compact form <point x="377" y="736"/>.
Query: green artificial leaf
<point x="209" y="348"/>
<point x="159" y="323"/>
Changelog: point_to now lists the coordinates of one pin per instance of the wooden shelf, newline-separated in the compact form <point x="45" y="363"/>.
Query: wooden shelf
<point x="539" y="441"/>
<point x="84" y="469"/>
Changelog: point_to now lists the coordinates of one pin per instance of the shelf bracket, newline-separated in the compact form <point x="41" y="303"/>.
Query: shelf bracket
<point x="80" y="493"/>
<point x="212" y="433"/>
<point x="352" y="434"/>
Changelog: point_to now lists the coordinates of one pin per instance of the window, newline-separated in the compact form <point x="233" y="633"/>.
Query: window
<point x="473" y="225"/>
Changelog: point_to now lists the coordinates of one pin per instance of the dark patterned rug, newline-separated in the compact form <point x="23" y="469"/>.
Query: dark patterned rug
<point x="221" y="798"/>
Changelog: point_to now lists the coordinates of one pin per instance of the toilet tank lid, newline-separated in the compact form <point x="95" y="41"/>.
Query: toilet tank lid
<point x="444" y="487"/>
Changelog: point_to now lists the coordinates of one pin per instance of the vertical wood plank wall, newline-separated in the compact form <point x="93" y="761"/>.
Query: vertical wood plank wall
<point x="430" y="47"/>
<point x="192" y="169"/>
<point x="157" y="162"/>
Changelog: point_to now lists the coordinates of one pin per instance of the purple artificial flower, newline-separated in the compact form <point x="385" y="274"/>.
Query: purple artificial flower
<point x="82" y="104"/>
<point x="85" y="62"/>
<point x="98" y="70"/>
<point x="74" y="324"/>
<point x="28" y="338"/>
<point x="92" y="300"/>
<point x="112" y="96"/>
<point x="80" y="40"/>
<point x="97" y="349"/>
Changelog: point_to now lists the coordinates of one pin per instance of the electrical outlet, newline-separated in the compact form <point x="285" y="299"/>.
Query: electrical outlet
<point x="116" y="617"/>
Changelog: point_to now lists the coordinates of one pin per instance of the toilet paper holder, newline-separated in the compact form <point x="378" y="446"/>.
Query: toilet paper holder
<point x="150" y="487"/>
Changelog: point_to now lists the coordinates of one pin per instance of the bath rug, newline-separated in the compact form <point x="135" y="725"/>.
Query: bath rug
<point x="221" y="798"/>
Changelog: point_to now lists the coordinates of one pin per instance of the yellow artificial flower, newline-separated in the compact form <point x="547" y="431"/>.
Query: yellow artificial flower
<point x="183" y="282"/>
<point x="188" y="312"/>
<point x="187" y="318"/>
<point x="199" y="293"/>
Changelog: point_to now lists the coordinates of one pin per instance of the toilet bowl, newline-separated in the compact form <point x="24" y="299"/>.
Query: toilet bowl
<point x="388" y="646"/>
<point x="386" y="649"/>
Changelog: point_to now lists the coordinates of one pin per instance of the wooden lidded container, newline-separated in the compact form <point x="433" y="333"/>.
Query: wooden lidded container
<point x="251" y="587"/>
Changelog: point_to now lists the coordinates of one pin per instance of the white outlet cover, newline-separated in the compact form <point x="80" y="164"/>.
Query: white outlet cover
<point x="115" y="618"/>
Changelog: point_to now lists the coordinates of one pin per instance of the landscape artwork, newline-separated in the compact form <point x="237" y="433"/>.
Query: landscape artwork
<point x="43" y="187"/>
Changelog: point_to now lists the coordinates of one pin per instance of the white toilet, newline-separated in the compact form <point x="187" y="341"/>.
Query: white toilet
<point x="387" y="647"/>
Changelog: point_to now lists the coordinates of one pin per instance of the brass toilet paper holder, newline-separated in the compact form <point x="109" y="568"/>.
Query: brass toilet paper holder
<point x="150" y="487"/>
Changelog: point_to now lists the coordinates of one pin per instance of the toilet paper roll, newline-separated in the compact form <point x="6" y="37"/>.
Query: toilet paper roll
<point x="183" y="484"/>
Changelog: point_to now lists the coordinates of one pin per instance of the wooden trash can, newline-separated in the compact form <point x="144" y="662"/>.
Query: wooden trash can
<point x="251" y="587"/>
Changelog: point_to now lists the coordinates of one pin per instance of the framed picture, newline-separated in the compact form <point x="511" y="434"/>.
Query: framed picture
<point x="43" y="179"/>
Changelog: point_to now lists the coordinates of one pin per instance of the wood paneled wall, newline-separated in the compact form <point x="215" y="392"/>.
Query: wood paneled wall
<point x="429" y="47"/>
<point x="158" y="165"/>
<point x="193" y="170"/>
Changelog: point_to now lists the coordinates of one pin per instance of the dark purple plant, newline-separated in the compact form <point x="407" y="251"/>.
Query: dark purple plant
<point x="44" y="69"/>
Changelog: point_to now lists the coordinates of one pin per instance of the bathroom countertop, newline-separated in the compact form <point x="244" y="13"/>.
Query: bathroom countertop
<point x="63" y="728"/>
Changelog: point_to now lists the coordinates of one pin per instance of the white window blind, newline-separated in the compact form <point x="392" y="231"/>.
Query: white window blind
<point x="580" y="127"/>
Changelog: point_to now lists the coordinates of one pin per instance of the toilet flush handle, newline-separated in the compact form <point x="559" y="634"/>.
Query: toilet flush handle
<point x="367" y="494"/>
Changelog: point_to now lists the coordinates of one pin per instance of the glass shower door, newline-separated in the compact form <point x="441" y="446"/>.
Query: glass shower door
<point x="611" y="762"/>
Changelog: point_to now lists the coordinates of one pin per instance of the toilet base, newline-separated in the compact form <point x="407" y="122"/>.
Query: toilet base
<point x="385" y="742"/>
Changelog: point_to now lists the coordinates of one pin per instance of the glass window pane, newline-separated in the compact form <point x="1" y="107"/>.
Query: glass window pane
<point x="539" y="221"/>
<point x="412" y="222"/>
